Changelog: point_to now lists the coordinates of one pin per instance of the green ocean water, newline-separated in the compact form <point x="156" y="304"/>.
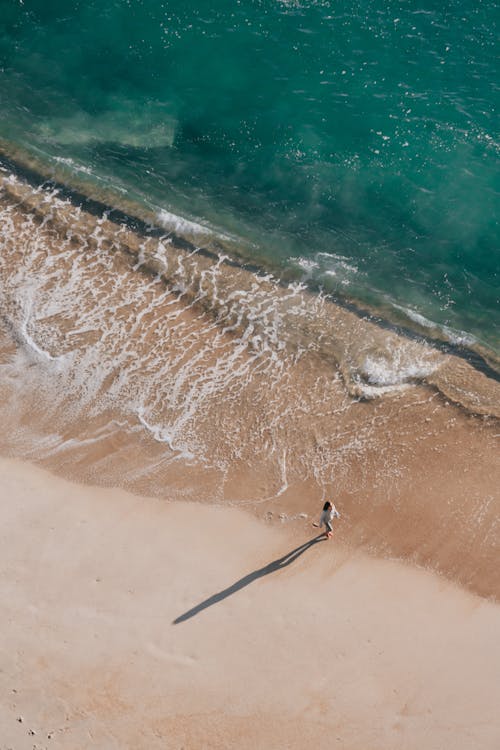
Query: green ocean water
<point x="354" y="142"/>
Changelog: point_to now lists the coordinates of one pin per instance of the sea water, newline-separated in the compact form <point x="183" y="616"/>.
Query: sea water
<point x="353" y="146"/>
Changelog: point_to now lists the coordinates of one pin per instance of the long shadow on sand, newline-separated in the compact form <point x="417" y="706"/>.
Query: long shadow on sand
<point x="272" y="567"/>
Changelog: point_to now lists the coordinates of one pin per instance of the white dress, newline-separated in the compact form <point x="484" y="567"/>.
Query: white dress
<point x="327" y="517"/>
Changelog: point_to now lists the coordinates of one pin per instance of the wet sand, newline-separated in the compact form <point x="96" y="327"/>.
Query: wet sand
<point x="134" y="364"/>
<point x="195" y="612"/>
<point x="277" y="643"/>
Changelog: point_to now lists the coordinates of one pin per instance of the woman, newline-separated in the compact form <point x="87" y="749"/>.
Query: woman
<point x="329" y="513"/>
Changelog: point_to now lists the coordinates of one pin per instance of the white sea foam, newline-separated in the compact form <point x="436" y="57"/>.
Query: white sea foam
<point x="334" y="263"/>
<point x="34" y="346"/>
<point x="128" y="346"/>
<point x="189" y="229"/>
<point x="28" y="340"/>
<point x="453" y="335"/>
<point x="337" y="268"/>
<point x="164" y="435"/>
<point x="180" y="225"/>
<point x="380" y="371"/>
<point x="73" y="165"/>
<point x="308" y="265"/>
<point x="394" y="367"/>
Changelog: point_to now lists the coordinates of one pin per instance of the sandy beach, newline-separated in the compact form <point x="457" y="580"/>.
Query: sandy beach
<point x="171" y="425"/>
<point x="127" y="361"/>
<point x="130" y="622"/>
<point x="249" y="263"/>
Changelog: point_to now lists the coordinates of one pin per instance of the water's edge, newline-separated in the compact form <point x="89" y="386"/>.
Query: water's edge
<point x="143" y="236"/>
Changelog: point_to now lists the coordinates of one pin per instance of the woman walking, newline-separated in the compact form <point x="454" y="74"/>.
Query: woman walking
<point x="329" y="513"/>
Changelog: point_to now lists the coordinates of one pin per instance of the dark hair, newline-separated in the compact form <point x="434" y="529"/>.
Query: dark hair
<point x="327" y="505"/>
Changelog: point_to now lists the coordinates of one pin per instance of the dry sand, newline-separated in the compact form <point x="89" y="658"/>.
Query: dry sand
<point x="333" y="650"/>
<point x="133" y="622"/>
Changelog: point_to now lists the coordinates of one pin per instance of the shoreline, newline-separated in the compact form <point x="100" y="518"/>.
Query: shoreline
<point x="483" y="360"/>
<point x="199" y="611"/>
<point x="113" y="376"/>
<point x="325" y="645"/>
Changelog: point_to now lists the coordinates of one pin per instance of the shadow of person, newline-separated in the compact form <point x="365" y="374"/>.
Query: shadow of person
<point x="271" y="567"/>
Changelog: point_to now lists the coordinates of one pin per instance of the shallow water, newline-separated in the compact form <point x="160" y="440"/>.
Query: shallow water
<point x="115" y="339"/>
<point x="355" y="150"/>
<point x="127" y="359"/>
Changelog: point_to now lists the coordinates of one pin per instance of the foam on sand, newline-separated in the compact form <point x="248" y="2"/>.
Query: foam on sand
<point x="135" y="359"/>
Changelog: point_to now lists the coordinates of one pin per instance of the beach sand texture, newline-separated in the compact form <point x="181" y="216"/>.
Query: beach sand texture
<point x="131" y="363"/>
<point x="334" y="649"/>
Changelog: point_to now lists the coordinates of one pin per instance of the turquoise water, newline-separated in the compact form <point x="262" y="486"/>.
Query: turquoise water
<point x="355" y="142"/>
